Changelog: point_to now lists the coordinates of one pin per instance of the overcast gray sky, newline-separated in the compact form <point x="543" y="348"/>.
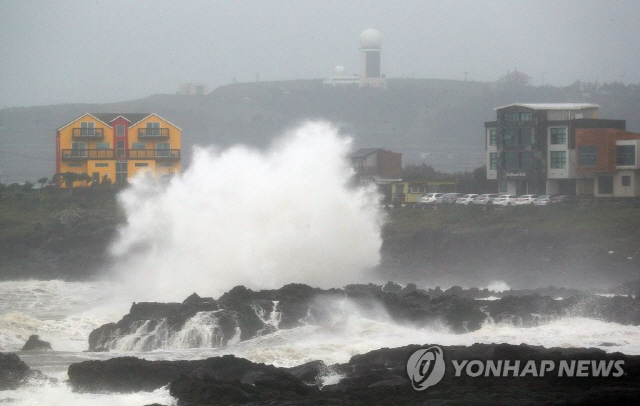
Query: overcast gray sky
<point x="105" y="51"/>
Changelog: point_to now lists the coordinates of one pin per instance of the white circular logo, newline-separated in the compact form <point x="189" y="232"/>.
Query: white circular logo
<point x="425" y="367"/>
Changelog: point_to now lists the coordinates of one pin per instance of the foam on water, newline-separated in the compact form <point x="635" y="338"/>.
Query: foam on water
<point x="261" y="219"/>
<point x="348" y="330"/>
<point x="60" y="394"/>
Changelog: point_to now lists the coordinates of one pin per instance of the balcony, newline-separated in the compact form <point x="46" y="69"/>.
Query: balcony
<point x="155" y="133"/>
<point x="89" y="133"/>
<point x="154" y="154"/>
<point x="79" y="154"/>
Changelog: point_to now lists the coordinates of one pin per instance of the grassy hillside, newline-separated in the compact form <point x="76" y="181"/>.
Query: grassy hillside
<point x="438" y="122"/>
<point x="64" y="234"/>
<point x="593" y="244"/>
<point x="52" y="233"/>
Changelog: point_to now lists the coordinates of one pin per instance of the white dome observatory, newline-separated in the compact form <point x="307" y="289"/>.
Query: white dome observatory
<point x="370" y="39"/>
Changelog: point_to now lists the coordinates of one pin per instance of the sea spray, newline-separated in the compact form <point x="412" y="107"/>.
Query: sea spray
<point x="257" y="218"/>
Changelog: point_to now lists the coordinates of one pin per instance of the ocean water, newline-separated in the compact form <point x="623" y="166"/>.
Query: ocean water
<point x="64" y="313"/>
<point x="215" y="227"/>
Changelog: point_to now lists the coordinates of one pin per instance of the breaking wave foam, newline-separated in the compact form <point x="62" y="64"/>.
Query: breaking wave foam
<point x="256" y="218"/>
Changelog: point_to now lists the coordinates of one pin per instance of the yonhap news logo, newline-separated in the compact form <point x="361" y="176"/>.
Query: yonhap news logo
<point x="426" y="367"/>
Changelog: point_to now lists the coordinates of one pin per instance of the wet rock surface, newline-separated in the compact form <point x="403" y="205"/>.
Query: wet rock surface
<point x="380" y="378"/>
<point x="15" y="373"/>
<point x="242" y="314"/>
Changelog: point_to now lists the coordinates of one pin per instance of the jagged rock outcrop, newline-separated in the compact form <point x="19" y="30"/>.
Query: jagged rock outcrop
<point x="15" y="373"/>
<point x="242" y="314"/>
<point x="34" y="343"/>
<point x="535" y="309"/>
<point x="227" y="376"/>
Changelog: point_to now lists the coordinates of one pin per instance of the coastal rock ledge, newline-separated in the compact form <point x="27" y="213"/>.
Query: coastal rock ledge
<point x="15" y="373"/>
<point x="377" y="378"/>
<point x="242" y="314"/>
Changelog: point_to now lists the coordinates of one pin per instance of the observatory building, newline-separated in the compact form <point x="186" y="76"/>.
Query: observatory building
<point x="370" y="49"/>
<point x="370" y="67"/>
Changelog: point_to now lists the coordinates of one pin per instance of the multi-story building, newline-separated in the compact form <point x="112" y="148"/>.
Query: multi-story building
<point x="531" y="147"/>
<point x="110" y="148"/>
<point x="608" y="163"/>
<point x="376" y="163"/>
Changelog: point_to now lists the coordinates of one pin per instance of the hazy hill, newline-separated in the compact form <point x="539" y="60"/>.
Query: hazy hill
<point x="438" y="122"/>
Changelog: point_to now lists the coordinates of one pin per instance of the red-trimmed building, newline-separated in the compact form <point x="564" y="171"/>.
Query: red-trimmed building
<point x="608" y="162"/>
<point x="110" y="148"/>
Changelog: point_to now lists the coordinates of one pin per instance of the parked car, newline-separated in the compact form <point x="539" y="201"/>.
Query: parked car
<point x="484" y="199"/>
<point x="449" y="198"/>
<point x="526" y="199"/>
<point x="505" y="200"/>
<point x="566" y="200"/>
<point x="429" y="198"/>
<point x="542" y="200"/>
<point x="466" y="199"/>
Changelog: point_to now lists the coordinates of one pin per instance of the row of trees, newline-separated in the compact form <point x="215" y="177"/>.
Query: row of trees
<point x="69" y="179"/>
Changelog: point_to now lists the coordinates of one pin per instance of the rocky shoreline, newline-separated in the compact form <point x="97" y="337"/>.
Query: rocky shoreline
<point x="480" y="374"/>
<point x="379" y="377"/>
<point x="242" y="314"/>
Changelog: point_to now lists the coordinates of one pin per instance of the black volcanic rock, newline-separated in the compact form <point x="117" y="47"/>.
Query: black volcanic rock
<point x="375" y="378"/>
<point x="310" y="373"/>
<point x="34" y="343"/>
<point x="150" y="315"/>
<point x="525" y="310"/>
<point x="535" y="309"/>
<point x="15" y="373"/>
<point x="226" y="377"/>
<point x="244" y="314"/>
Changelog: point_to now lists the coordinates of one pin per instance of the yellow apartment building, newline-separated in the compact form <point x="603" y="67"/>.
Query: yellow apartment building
<point x="110" y="148"/>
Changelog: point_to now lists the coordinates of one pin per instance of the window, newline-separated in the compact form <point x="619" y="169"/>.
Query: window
<point x="524" y="116"/>
<point x="493" y="160"/>
<point x="74" y="164"/>
<point x="527" y="160"/>
<point x="153" y="128"/>
<point x="558" y="160"/>
<point x="492" y="136"/>
<point x="626" y="155"/>
<point x="163" y="149"/>
<point x="166" y="164"/>
<point x="558" y="135"/>
<point x="511" y="116"/>
<point x="87" y="128"/>
<point x="141" y="164"/>
<point x="605" y="185"/>
<point x="587" y="155"/>
<point x="138" y="145"/>
<point x="120" y="130"/>
<point x="103" y="145"/>
<point x="102" y="164"/>
<point x="121" y="171"/>
<point x="78" y="149"/>
<point x="626" y="180"/>
<point x="120" y="149"/>
<point x="517" y="116"/>
<point x="509" y="136"/>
